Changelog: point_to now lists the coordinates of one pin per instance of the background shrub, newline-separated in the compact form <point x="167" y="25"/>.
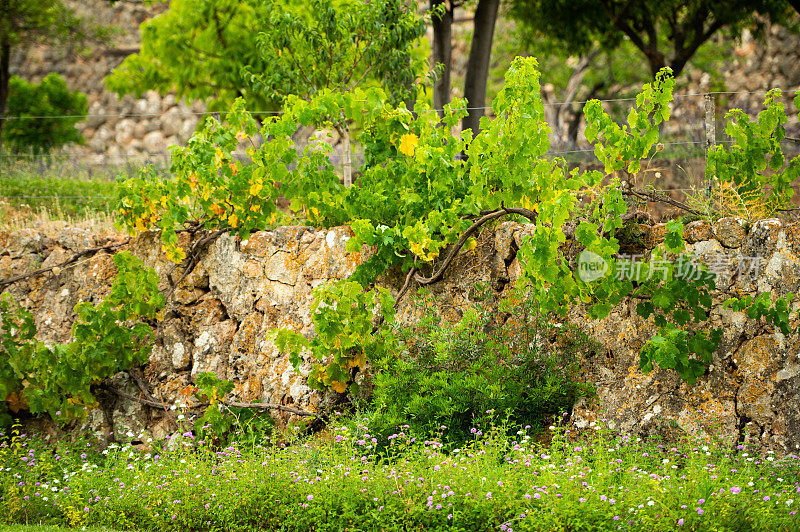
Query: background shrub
<point x="28" y="102"/>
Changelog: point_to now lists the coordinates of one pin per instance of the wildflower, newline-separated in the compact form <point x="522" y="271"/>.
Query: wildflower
<point x="680" y="521"/>
<point x="310" y="497"/>
<point x="735" y="490"/>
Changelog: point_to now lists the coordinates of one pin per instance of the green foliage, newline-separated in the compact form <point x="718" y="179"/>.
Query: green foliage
<point x="264" y="51"/>
<point x="43" y="116"/>
<point x="342" y="314"/>
<point x="761" y="306"/>
<point x="337" y="45"/>
<point x="108" y="337"/>
<point x="415" y="196"/>
<point x="667" y="33"/>
<point x="754" y="162"/>
<point x="24" y="23"/>
<point x="220" y="422"/>
<point x="621" y="147"/>
<point x="450" y="378"/>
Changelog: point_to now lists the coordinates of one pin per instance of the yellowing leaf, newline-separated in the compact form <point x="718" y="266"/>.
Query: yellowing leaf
<point x="233" y="168"/>
<point x="16" y="402"/>
<point x="233" y="220"/>
<point x="240" y="136"/>
<point x="164" y="201"/>
<point x="255" y="188"/>
<point x="339" y="387"/>
<point x="255" y="208"/>
<point x="408" y="144"/>
<point x="472" y="244"/>
<point x="359" y="360"/>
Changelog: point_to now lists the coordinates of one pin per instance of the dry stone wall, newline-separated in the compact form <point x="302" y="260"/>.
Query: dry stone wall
<point x="220" y="317"/>
<point x="117" y="130"/>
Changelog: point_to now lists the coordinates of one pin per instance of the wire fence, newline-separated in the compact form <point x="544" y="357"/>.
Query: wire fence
<point x="680" y="166"/>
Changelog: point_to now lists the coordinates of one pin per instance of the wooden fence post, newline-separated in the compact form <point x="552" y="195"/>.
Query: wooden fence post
<point x="711" y="131"/>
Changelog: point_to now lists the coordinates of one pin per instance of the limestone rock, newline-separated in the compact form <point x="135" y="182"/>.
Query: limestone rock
<point x="155" y="142"/>
<point x="698" y="231"/>
<point x="731" y="232"/>
<point x="75" y="239"/>
<point x="504" y="240"/>
<point x="654" y="235"/>
<point x="522" y="235"/>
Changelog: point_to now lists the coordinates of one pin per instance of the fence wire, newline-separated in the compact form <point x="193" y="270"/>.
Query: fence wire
<point x="685" y="143"/>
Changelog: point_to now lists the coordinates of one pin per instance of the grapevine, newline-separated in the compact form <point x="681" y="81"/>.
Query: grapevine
<point x="422" y="193"/>
<point x="107" y="338"/>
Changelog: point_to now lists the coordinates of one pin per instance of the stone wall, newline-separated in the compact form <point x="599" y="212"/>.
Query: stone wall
<point x="221" y="314"/>
<point x="117" y="129"/>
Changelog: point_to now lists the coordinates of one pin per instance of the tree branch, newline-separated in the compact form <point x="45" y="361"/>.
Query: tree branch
<point x="74" y="258"/>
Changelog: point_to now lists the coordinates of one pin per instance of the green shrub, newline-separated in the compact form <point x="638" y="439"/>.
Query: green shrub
<point x="462" y="375"/>
<point x="29" y="102"/>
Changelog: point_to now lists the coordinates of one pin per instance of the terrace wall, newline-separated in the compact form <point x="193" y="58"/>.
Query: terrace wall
<point x="221" y="314"/>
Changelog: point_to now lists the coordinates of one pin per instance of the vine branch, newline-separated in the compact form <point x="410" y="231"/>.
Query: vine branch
<point x="108" y="247"/>
<point x="661" y="198"/>
<point x="491" y="215"/>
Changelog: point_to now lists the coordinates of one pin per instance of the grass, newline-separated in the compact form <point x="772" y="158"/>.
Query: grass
<point x="44" y="528"/>
<point x="347" y="480"/>
<point x="37" y="193"/>
<point x="59" y="188"/>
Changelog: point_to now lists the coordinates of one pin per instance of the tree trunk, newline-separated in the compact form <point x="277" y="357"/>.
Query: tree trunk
<point x="442" y="54"/>
<point x="478" y="66"/>
<point x="5" y="76"/>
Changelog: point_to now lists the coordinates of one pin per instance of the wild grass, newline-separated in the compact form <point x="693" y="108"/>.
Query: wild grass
<point x="35" y="192"/>
<point x="348" y="480"/>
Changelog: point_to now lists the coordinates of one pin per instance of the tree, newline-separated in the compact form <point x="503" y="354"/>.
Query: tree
<point x="25" y="23"/>
<point x="50" y="98"/>
<point x="197" y="49"/>
<point x="479" y="56"/>
<point x="666" y="32"/>
<point x="218" y="50"/>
